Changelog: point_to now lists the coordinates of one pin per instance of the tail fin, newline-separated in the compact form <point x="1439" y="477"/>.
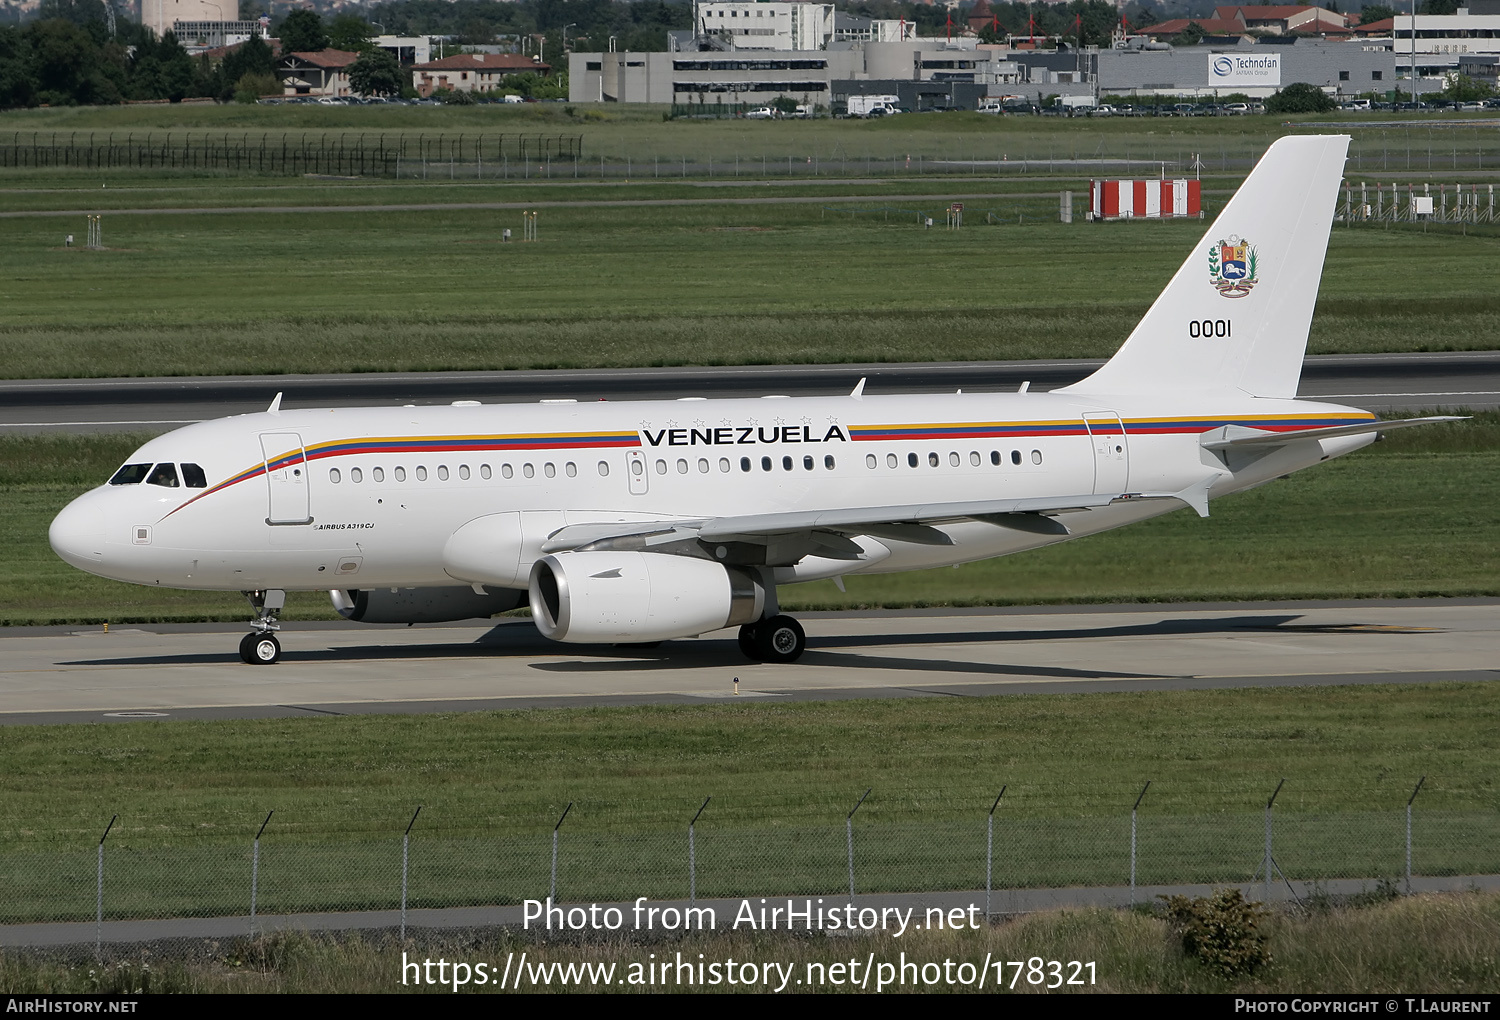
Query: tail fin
<point x="1237" y="313"/>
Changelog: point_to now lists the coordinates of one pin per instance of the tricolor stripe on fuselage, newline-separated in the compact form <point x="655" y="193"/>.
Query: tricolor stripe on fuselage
<point x="859" y="433"/>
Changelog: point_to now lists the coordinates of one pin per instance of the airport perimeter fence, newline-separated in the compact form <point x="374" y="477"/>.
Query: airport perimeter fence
<point x="336" y="154"/>
<point x="822" y="149"/>
<point x="989" y="853"/>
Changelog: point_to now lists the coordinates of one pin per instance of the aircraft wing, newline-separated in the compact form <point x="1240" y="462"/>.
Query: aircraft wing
<point x="1238" y="435"/>
<point x="907" y="523"/>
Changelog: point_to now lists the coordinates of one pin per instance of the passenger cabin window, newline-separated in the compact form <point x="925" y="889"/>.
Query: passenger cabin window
<point x="164" y="475"/>
<point x="130" y="474"/>
<point x="193" y="477"/>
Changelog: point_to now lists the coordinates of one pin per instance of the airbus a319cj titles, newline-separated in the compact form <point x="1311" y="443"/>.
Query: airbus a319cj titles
<point x="650" y="520"/>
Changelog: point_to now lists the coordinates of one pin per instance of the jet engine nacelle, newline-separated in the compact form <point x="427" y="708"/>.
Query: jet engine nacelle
<point x="423" y="605"/>
<point x="607" y="596"/>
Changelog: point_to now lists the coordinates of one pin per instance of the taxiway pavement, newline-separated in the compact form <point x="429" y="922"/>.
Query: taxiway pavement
<point x="189" y="671"/>
<point x="1378" y="382"/>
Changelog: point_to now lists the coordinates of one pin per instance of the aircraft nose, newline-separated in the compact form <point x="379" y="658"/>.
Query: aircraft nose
<point x="77" y="534"/>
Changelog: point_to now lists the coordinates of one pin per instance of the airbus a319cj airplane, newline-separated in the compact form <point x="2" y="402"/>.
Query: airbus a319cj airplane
<point x="642" y="521"/>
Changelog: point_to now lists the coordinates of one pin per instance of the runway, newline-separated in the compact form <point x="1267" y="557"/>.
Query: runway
<point x="192" y="671"/>
<point x="1378" y="382"/>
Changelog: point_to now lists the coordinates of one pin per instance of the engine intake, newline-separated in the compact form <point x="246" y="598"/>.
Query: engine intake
<point x="608" y="596"/>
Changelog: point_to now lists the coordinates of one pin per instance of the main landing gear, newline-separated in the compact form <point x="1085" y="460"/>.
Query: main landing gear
<point x="260" y="647"/>
<point x="777" y="639"/>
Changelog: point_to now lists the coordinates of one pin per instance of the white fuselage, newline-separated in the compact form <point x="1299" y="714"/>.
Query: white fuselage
<point x="370" y="497"/>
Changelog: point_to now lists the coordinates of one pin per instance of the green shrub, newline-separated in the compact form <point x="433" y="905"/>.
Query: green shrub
<point x="1222" y="931"/>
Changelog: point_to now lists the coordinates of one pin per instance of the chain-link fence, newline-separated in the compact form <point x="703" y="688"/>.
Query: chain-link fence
<point x="998" y="852"/>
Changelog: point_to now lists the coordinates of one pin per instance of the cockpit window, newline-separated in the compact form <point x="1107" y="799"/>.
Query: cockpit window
<point x="193" y="477"/>
<point x="163" y="474"/>
<point x="130" y="474"/>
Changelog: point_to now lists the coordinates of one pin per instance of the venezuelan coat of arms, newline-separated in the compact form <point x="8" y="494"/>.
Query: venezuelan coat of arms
<point x="1232" y="266"/>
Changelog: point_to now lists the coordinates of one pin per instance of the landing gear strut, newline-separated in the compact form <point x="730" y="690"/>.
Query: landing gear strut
<point x="260" y="647"/>
<point x="778" y="639"/>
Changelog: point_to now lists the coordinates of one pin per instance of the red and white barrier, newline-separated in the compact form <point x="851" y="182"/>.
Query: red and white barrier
<point x="1151" y="200"/>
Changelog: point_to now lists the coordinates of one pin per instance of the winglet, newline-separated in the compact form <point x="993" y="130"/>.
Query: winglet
<point x="275" y="407"/>
<point x="858" y="393"/>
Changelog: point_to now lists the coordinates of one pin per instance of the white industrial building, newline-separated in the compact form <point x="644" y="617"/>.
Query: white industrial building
<point x="781" y="26"/>
<point x="826" y="77"/>
<point x="1444" y="43"/>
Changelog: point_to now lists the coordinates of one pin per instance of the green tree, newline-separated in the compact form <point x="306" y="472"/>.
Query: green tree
<point x="377" y="73"/>
<point x="349" y="32"/>
<point x="17" y="86"/>
<point x="1376" y="12"/>
<point x="251" y="87"/>
<point x="303" y="32"/>
<point x="1192" y="35"/>
<point x="784" y="104"/>
<point x="1140" y="16"/>
<point x="1300" y="97"/>
<point x="1463" y="89"/>
<point x="1439" y="7"/>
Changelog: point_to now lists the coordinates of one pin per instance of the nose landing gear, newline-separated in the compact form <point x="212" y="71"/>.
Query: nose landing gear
<point x="260" y="647"/>
<point x="777" y="639"/>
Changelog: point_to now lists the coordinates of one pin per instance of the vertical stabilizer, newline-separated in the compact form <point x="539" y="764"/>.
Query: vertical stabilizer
<point x="1237" y="313"/>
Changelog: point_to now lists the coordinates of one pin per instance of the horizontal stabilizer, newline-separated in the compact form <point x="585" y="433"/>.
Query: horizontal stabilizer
<point x="1238" y="435"/>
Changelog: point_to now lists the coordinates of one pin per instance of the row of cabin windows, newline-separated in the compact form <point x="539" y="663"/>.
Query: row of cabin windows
<point x="637" y="467"/>
<point x="954" y="460"/>
<point x="377" y="474"/>
<point x="164" y="475"/>
<point x="809" y="463"/>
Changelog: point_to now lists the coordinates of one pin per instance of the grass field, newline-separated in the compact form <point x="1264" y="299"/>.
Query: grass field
<point x="1391" y="142"/>
<point x="1415" y="515"/>
<point x="189" y="797"/>
<point x="767" y="765"/>
<point x="782" y="280"/>
<point x="717" y="284"/>
<point x="1431" y="944"/>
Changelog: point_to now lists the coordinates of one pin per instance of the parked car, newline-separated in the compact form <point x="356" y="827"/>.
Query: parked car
<point x="1236" y="109"/>
<point x="760" y="113"/>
